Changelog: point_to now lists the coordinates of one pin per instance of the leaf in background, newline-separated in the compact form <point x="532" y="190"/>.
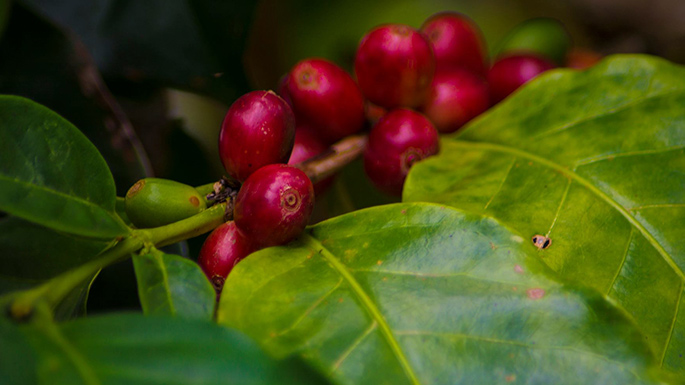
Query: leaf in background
<point x="52" y="175"/>
<point x="187" y="44"/>
<point x="134" y="349"/>
<point x="172" y="285"/>
<point x="17" y="358"/>
<point x="596" y="161"/>
<point x="417" y="293"/>
<point x="53" y="69"/>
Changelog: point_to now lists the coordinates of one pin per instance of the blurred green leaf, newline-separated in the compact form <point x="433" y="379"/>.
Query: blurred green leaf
<point x="418" y="293"/>
<point x="594" y="160"/>
<point x="134" y="349"/>
<point x="17" y="358"/>
<point x="52" y="175"/>
<point x="172" y="285"/>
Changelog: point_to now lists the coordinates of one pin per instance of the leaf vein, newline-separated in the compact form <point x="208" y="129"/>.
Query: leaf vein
<point x="366" y="303"/>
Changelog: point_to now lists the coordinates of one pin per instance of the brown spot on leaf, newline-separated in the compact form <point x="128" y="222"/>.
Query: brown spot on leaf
<point x="379" y="262"/>
<point x="518" y="269"/>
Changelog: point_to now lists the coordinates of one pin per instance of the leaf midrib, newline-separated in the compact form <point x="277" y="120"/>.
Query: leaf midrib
<point x="94" y="207"/>
<point x="367" y="303"/>
<point x="571" y="174"/>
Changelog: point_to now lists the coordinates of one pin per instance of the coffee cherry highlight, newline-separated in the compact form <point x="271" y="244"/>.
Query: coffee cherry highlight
<point x="325" y="98"/>
<point x="259" y="129"/>
<point x="456" y="97"/>
<point x="457" y="42"/>
<point x="274" y="205"/>
<point x="399" y="139"/>
<point x="511" y="72"/>
<point x="222" y="250"/>
<point x="394" y="65"/>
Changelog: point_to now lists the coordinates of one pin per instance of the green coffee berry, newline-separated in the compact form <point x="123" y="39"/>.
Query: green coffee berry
<point x="153" y="202"/>
<point x="544" y="36"/>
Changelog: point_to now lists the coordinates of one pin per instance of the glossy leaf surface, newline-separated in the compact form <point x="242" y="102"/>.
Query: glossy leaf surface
<point x="172" y="285"/>
<point x="423" y="294"/>
<point x="52" y="175"/>
<point x="594" y="160"/>
<point x="134" y="349"/>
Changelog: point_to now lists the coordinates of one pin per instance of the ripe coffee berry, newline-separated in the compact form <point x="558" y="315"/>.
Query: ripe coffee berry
<point x="399" y="139"/>
<point x="457" y="96"/>
<point x="274" y="205"/>
<point x="259" y="129"/>
<point x="457" y="42"/>
<point x="510" y="72"/>
<point x="326" y="98"/>
<point x="307" y="146"/>
<point x="394" y="65"/>
<point x="222" y="250"/>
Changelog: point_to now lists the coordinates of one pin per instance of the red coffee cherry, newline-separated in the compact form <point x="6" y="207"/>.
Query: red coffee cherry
<point x="274" y="205"/>
<point x="394" y="65"/>
<point x="457" y="42"/>
<point x="510" y="72"/>
<point x="222" y="250"/>
<point x="258" y="129"/>
<point x="325" y="98"/>
<point x="307" y="146"/>
<point x="400" y="138"/>
<point x="456" y="97"/>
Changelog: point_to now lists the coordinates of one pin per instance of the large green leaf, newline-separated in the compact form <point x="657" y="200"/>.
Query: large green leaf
<point x="172" y="285"/>
<point x="134" y="349"/>
<point x="418" y="293"/>
<point x="52" y="175"/>
<point x="596" y="161"/>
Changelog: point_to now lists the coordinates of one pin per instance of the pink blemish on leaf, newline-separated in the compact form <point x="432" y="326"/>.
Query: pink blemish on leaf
<point x="518" y="269"/>
<point x="403" y="211"/>
<point x="510" y="378"/>
<point x="535" y="293"/>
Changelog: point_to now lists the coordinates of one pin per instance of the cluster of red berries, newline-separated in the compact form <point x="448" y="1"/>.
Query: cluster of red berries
<point x="410" y="84"/>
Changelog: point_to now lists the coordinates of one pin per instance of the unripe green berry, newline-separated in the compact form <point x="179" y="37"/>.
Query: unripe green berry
<point x="153" y="202"/>
<point x="543" y="36"/>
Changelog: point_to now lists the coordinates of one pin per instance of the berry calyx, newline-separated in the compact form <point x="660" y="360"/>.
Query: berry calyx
<point x="274" y="205"/>
<point x="326" y="98"/>
<point x="222" y="250"/>
<point x="511" y="72"/>
<point x="394" y="65"/>
<point x="456" y="97"/>
<point x="153" y="202"/>
<point x="259" y="129"/>
<point x="399" y="139"/>
<point x="457" y="42"/>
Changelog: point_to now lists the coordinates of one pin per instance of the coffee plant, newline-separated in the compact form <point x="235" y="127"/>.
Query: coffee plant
<point x="429" y="211"/>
